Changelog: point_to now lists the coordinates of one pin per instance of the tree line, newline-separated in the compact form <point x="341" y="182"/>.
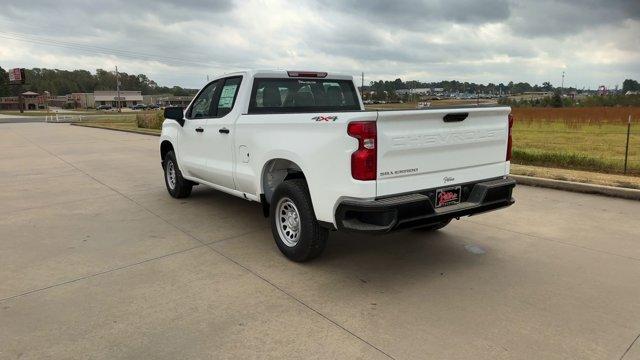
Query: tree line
<point x="454" y="86"/>
<point x="630" y="85"/>
<point x="556" y="100"/>
<point x="62" y="82"/>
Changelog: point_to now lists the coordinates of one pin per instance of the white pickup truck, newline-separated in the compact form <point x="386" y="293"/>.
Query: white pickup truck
<point x="302" y="144"/>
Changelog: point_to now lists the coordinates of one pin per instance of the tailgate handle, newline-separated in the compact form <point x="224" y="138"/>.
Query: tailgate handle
<point x="455" y="117"/>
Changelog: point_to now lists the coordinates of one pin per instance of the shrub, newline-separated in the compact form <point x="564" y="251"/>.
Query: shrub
<point x="152" y="120"/>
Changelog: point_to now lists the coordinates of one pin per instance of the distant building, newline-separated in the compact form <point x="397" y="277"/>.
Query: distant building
<point x="533" y="95"/>
<point x="59" y="101"/>
<point x="35" y="101"/>
<point x="30" y="99"/>
<point x="153" y="99"/>
<point x="92" y="100"/>
<point x="9" y="103"/>
<point x="167" y="100"/>
<point x="82" y="100"/>
<point x="417" y="91"/>
<point x="127" y="98"/>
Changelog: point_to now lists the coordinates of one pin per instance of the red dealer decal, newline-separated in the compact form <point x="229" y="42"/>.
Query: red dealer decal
<point x="448" y="196"/>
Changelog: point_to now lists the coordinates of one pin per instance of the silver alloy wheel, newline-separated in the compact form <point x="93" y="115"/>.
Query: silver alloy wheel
<point x="171" y="174"/>
<point x="288" y="222"/>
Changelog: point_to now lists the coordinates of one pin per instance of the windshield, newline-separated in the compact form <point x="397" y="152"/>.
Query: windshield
<point x="302" y="95"/>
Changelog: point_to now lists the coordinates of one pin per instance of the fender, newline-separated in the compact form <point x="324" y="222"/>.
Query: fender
<point x="170" y="133"/>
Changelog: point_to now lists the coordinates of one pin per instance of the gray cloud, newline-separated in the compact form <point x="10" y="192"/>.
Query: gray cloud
<point x="562" y="18"/>
<point x="180" y="42"/>
<point x="423" y="15"/>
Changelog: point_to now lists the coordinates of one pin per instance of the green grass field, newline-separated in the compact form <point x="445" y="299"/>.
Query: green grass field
<point x="598" y="147"/>
<point x="119" y="122"/>
<point x="43" y="113"/>
<point x="40" y="113"/>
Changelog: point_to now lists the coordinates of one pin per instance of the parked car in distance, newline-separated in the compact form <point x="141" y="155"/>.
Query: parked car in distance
<point x="139" y="107"/>
<point x="152" y="106"/>
<point x="302" y="144"/>
<point x="103" y="107"/>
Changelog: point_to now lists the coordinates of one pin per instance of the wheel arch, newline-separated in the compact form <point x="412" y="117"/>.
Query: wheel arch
<point x="165" y="147"/>
<point x="274" y="172"/>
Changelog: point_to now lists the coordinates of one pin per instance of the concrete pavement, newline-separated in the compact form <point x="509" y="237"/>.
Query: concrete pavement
<point x="97" y="261"/>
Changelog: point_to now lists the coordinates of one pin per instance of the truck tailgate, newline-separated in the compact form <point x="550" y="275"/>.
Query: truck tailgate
<point x="423" y="149"/>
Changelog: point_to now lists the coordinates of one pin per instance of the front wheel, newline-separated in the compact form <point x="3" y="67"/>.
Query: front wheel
<point x="294" y="225"/>
<point x="177" y="186"/>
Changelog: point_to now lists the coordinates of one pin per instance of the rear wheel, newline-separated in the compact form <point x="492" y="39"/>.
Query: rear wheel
<point x="434" y="227"/>
<point x="177" y="186"/>
<point x="294" y="225"/>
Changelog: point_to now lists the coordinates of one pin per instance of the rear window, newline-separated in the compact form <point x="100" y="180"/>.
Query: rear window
<point x="302" y="95"/>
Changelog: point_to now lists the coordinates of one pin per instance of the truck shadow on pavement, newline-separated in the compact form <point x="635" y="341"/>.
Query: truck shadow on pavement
<point x="401" y="251"/>
<point x="388" y="257"/>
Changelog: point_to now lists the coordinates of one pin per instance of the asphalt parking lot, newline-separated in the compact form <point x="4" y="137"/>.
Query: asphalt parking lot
<point x="97" y="261"/>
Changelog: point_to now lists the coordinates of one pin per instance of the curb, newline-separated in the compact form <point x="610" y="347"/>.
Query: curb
<point x="612" y="191"/>
<point x="114" y="129"/>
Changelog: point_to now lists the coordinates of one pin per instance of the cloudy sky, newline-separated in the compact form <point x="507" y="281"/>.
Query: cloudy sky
<point x="181" y="42"/>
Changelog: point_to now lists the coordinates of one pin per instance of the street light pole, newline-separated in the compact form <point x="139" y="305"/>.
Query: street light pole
<point x="118" y="88"/>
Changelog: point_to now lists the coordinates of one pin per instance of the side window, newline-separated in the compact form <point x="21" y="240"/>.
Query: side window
<point x="202" y="106"/>
<point x="228" y="96"/>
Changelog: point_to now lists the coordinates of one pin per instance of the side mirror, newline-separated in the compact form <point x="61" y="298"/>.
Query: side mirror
<point x="175" y="113"/>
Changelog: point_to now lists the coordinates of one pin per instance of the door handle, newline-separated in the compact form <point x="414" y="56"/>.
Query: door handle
<point x="199" y="130"/>
<point x="223" y="131"/>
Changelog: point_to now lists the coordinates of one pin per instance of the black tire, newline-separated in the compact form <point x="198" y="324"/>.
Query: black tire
<point x="312" y="238"/>
<point x="181" y="187"/>
<point x="434" y="227"/>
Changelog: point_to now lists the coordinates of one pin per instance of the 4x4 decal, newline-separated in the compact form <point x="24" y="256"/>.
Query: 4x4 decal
<point x="326" y="118"/>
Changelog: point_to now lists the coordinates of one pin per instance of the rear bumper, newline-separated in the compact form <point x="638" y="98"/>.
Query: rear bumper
<point x="416" y="209"/>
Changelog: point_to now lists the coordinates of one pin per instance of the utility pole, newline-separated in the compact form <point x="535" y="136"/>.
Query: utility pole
<point x="362" y="84"/>
<point x="562" y="90"/>
<point x="626" y="150"/>
<point x="118" y="89"/>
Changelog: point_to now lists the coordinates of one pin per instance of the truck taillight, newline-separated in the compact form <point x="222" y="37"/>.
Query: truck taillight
<point x="364" y="161"/>
<point x="509" y="141"/>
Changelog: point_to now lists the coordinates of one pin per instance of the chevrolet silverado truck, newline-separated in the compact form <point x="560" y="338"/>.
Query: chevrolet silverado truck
<point x="302" y="144"/>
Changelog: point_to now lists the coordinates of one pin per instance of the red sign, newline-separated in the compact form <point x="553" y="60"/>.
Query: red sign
<point x="447" y="197"/>
<point x="16" y="76"/>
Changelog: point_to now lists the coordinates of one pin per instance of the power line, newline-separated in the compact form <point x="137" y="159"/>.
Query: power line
<point x="93" y="49"/>
<point x="104" y="51"/>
